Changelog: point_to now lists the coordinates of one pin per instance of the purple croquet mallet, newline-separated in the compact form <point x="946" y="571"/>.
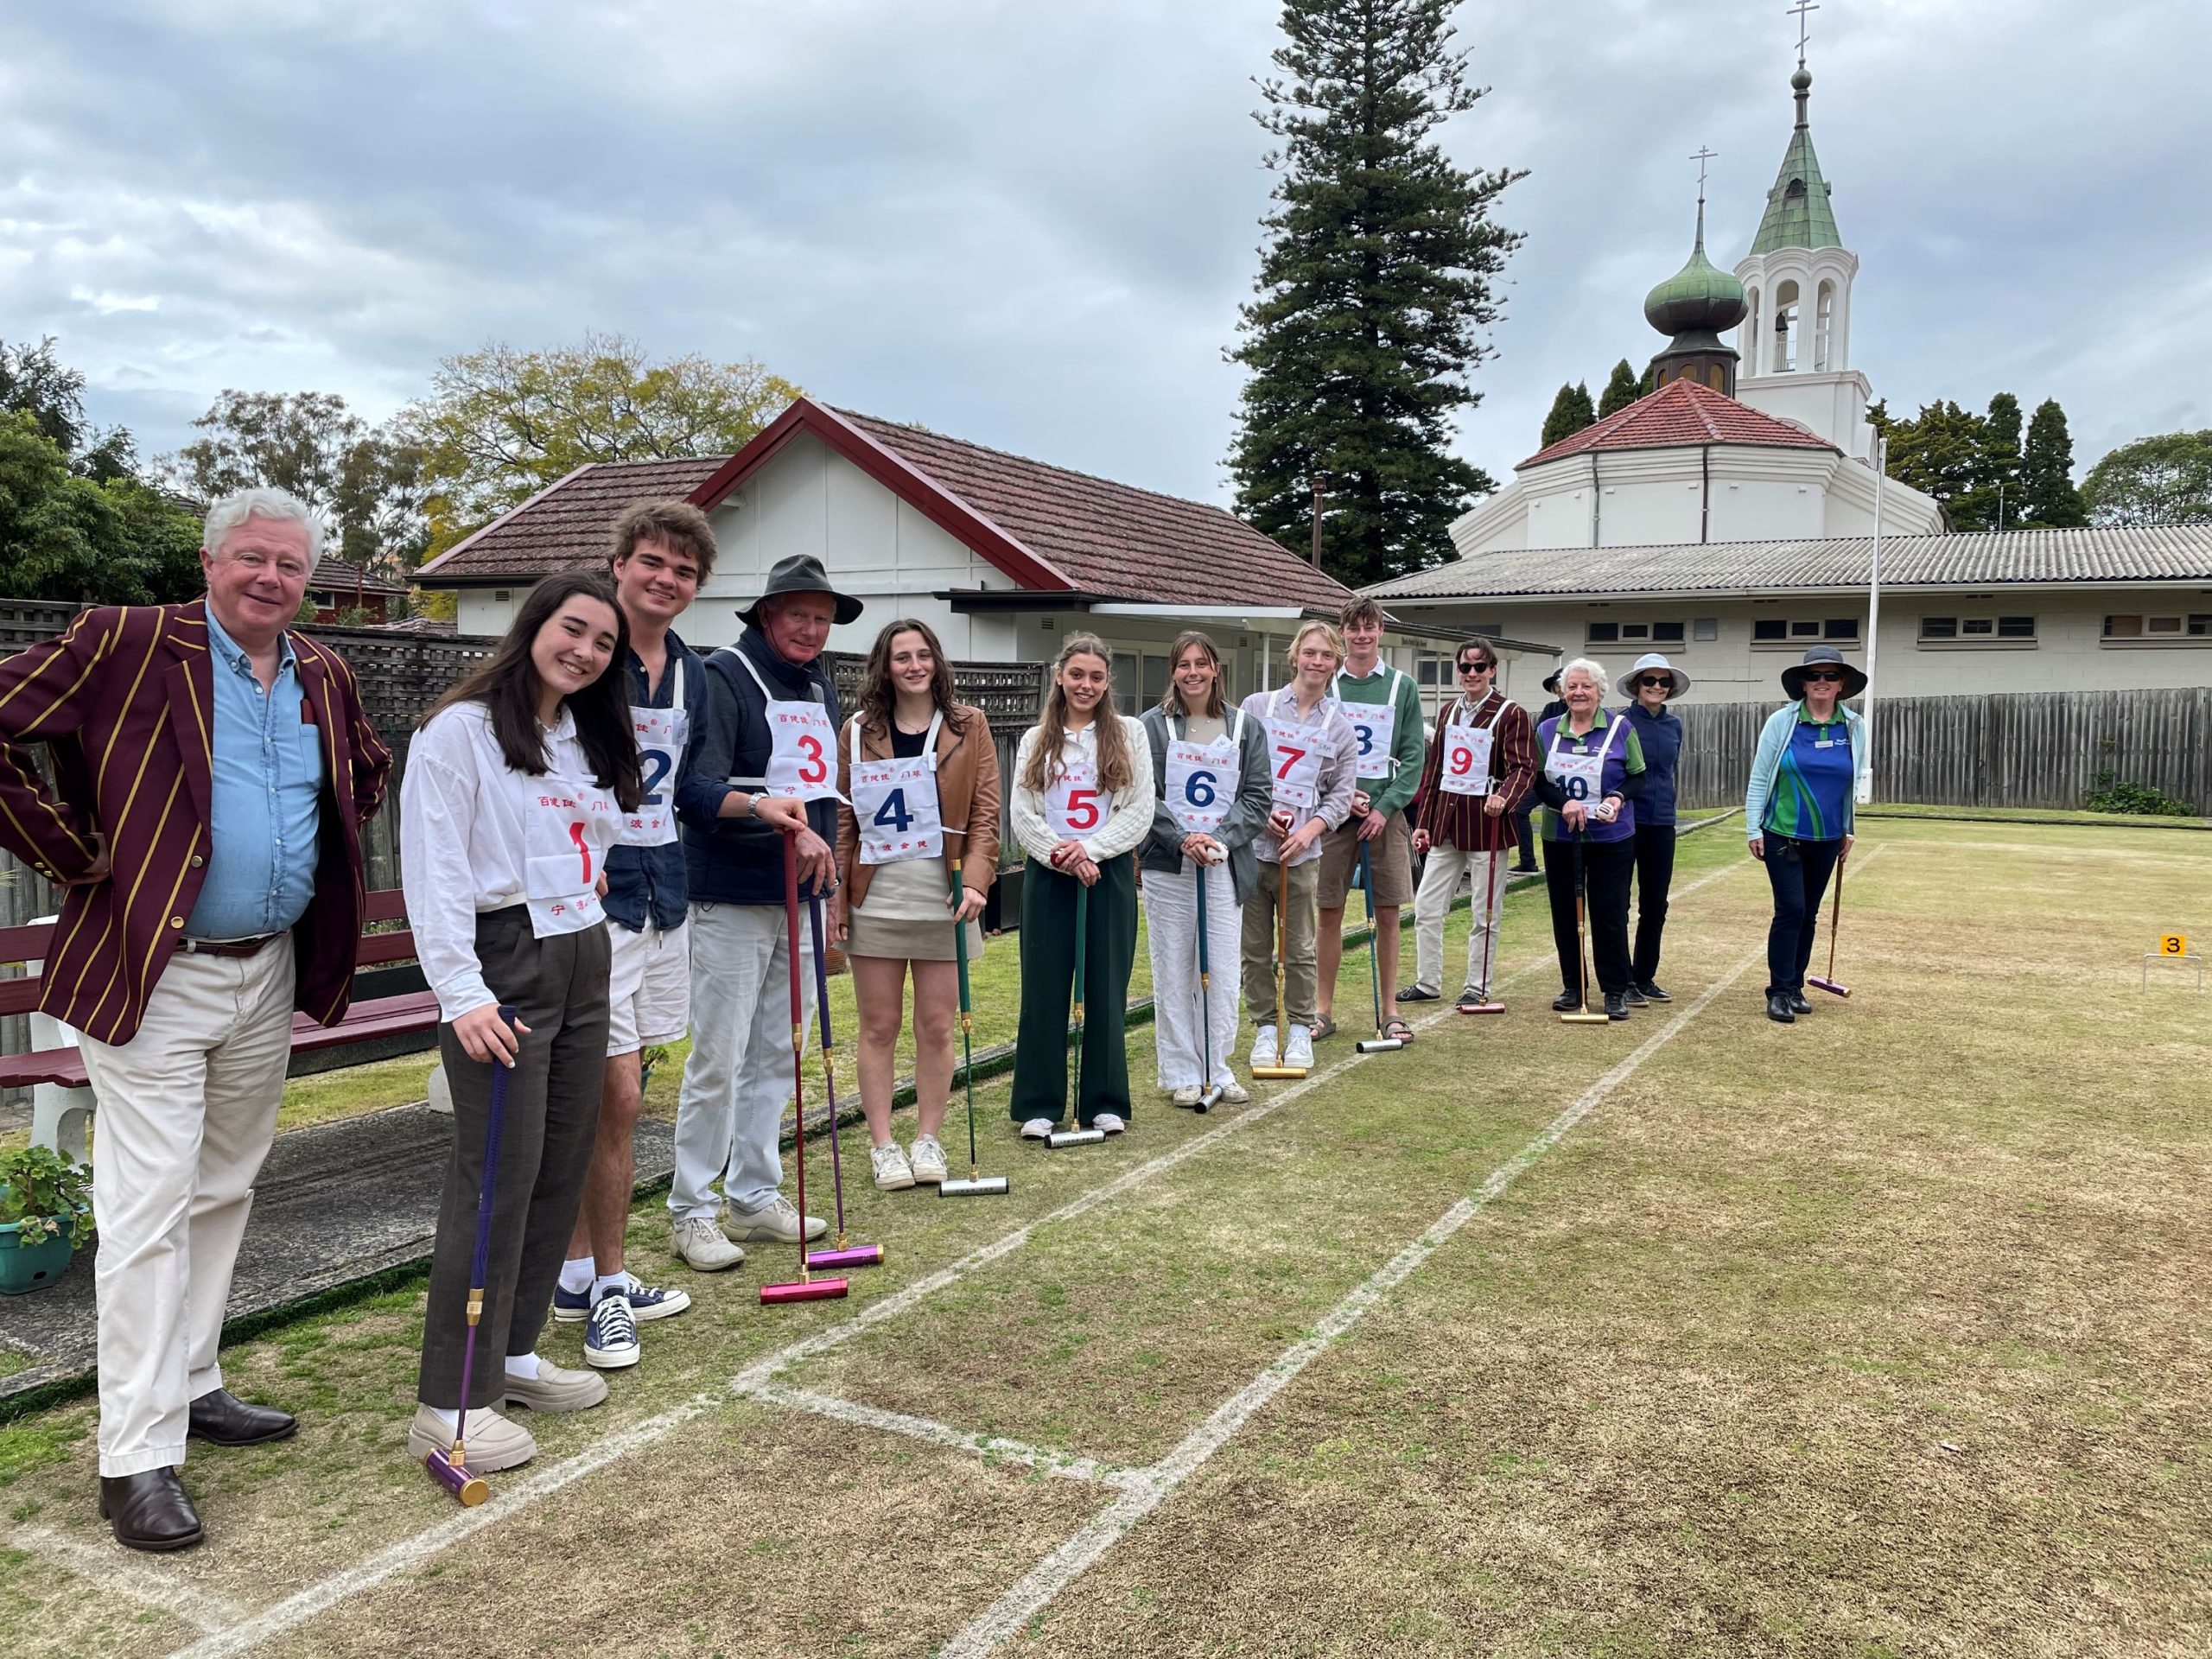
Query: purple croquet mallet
<point x="846" y="1254"/>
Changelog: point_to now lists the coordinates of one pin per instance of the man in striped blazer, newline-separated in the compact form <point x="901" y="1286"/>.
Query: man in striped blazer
<point x="211" y="775"/>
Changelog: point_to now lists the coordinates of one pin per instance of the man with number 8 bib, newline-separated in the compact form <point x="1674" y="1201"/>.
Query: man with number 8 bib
<point x="769" y="726"/>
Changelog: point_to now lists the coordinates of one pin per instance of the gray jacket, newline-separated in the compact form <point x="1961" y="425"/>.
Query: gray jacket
<point x="1163" y="848"/>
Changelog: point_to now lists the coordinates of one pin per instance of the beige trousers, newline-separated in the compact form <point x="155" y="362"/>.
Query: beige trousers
<point x="1301" y="971"/>
<point x="1440" y="885"/>
<point x="188" y="1109"/>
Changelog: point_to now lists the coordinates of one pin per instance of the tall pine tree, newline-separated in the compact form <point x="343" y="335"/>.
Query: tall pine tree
<point x="1570" y="413"/>
<point x="2048" y="499"/>
<point x="2000" y="462"/>
<point x="1620" y="391"/>
<point x="1374" y="289"/>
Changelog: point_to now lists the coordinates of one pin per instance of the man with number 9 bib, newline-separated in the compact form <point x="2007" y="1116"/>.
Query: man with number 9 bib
<point x="769" y="727"/>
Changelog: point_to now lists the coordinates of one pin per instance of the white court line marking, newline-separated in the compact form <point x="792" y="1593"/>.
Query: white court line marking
<point x="412" y="1552"/>
<point x="141" y="1581"/>
<point x="921" y="1428"/>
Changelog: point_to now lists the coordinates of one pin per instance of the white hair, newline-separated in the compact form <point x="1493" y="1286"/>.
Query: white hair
<point x="1588" y="665"/>
<point x="233" y="510"/>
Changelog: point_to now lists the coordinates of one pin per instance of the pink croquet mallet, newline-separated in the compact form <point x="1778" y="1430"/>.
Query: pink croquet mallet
<point x="806" y="1288"/>
<point x="845" y="1255"/>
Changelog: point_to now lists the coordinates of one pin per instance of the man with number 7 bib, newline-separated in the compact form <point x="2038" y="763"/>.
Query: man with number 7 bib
<point x="769" y="727"/>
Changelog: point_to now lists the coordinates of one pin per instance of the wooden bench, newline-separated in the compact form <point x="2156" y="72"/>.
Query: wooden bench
<point x="65" y="1101"/>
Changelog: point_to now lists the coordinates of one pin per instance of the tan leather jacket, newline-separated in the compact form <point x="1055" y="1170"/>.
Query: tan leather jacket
<point x="967" y="797"/>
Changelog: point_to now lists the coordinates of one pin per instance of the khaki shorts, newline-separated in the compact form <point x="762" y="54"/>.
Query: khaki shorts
<point x="1392" y="853"/>
<point x="648" y="988"/>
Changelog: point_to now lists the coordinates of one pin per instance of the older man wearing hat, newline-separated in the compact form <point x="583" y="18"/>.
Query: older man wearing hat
<point x="769" y="726"/>
<point x="1647" y="689"/>
<point x="1797" y="810"/>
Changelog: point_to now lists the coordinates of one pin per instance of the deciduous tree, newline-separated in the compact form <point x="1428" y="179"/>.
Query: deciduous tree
<point x="2162" y="480"/>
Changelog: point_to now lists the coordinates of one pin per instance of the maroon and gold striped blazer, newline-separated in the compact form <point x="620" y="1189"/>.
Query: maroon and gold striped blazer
<point x="124" y="701"/>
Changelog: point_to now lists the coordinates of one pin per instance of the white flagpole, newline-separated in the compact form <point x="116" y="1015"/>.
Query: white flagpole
<point x="1866" y="788"/>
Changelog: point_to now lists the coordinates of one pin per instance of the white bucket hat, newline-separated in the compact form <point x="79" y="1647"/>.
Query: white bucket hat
<point x="1650" y="659"/>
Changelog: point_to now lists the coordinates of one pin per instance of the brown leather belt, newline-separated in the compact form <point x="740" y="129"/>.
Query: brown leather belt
<point x="226" y="947"/>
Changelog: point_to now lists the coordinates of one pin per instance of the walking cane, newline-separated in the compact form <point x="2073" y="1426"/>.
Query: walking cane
<point x="806" y="1288"/>
<point x="978" y="1184"/>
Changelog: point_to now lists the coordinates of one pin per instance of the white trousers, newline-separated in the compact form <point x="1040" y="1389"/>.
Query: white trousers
<point x="1440" y="885"/>
<point x="188" y="1109"/>
<point x="729" y="1117"/>
<point x="1171" y="908"/>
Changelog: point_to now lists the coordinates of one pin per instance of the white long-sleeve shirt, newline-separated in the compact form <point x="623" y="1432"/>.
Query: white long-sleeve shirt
<point x="464" y="840"/>
<point x="1128" y="822"/>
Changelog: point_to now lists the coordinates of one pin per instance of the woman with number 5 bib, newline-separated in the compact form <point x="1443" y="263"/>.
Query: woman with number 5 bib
<point x="1082" y="805"/>
<point x="516" y="785"/>
<point x="1211" y="799"/>
<point x="1591" y="769"/>
<point x="919" y="775"/>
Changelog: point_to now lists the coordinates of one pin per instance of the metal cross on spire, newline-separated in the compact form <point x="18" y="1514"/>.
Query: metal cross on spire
<point x="1799" y="12"/>
<point x="1702" y="157"/>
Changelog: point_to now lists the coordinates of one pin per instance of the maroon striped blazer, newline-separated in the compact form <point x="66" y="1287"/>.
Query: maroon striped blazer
<point x="1459" y="820"/>
<point x="124" y="701"/>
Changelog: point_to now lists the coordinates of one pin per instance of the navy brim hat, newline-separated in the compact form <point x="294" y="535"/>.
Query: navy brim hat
<point x="1793" y="678"/>
<point x="802" y="573"/>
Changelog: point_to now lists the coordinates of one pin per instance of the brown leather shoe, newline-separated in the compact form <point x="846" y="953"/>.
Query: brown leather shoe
<point x="221" y="1418"/>
<point x="150" y="1511"/>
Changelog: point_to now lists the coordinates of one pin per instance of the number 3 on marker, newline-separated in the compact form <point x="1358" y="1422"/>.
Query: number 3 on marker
<point x="2173" y="945"/>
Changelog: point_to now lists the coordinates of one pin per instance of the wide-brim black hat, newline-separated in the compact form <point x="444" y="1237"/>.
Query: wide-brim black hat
<point x="1551" y="682"/>
<point x="802" y="573"/>
<point x="1793" y="678"/>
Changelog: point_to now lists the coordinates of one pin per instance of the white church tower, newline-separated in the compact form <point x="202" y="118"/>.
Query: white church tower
<point x="1795" y="337"/>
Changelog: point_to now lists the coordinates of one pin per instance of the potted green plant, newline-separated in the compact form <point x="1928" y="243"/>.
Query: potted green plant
<point x="46" y="1212"/>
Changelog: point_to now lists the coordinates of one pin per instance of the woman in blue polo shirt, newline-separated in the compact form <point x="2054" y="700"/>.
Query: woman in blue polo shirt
<point x="1591" y="770"/>
<point x="1798" y="810"/>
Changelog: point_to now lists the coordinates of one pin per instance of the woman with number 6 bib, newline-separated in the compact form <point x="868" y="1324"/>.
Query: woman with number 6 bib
<point x="919" y="775"/>
<point x="1082" y="805"/>
<point x="1212" y="798"/>
<point x="1591" y="771"/>
<point x="516" y="785"/>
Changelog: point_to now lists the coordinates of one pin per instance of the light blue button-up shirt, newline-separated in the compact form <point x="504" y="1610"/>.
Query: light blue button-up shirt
<point x="267" y="762"/>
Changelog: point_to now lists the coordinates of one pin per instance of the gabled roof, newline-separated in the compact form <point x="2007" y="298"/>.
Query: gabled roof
<point x="1969" y="559"/>
<point x="1049" y="529"/>
<point x="342" y="577"/>
<point x="1681" y="415"/>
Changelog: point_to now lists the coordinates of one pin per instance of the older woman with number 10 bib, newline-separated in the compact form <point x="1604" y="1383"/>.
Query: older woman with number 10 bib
<point x="1213" y="799"/>
<point x="1082" y="805"/>
<point x="920" y="777"/>
<point x="1591" y="773"/>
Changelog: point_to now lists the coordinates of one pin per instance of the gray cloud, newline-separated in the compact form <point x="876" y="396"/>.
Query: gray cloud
<point x="1032" y="224"/>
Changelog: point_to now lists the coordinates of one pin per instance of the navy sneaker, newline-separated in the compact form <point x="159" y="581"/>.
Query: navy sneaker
<point x="650" y="1302"/>
<point x="611" y="1334"/>
<point x="571" y="1305"/>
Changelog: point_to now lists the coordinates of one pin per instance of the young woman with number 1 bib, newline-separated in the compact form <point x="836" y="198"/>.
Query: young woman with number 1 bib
<point x="1082" y="805"/>
<point x="1211" y="800"/>
<point x="920" y="777"/>
<point x="516" y="785"/>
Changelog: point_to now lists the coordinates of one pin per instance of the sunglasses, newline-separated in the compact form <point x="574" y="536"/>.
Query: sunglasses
<point x="1479" y="668"/>
<point x="1817" y="677"/>
<point x="1650" y="680"/>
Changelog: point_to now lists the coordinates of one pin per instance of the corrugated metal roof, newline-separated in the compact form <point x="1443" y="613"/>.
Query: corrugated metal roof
<point x="1682" y="415"/>
<point x="1973" y="559"/>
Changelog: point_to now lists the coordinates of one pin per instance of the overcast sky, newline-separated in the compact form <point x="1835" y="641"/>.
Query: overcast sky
<point x="1030" y="222"/>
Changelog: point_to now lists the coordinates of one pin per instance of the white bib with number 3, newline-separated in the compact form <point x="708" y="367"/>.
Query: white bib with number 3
<point x="660" y="733"/>
<point x="802" y="747"/>
<point x="895" y="803"/>
<point x="1201" y="780"/>
<point x="567" y="829"/>
<point x="1466" y="759"/>
<point x="1074" y="804"/>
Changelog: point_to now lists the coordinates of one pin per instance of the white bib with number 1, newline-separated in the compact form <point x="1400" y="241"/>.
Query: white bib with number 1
<point x="567" y="829"/>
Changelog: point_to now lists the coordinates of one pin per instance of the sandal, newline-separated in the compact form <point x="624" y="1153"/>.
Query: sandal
<point x="1399" y="1029"/>
<point x="1326" y="1027"/>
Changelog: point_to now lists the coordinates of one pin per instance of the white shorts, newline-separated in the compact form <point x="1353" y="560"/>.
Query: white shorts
<point x="648" y="988"/>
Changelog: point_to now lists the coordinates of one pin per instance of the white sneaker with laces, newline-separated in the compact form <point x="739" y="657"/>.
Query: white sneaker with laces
<point x="1299" y="1052"/>
<point x="1188" y="1095"/>
<point x="699" y="1244"/>
<point x="1110" y="1121"/>
<point x="1037" y="1129"/>
<point x="892" y="1174"/>
<point x="928" y="1160"/>
<point x="774" y="1223"/>
<point x="1264" y="1047"/>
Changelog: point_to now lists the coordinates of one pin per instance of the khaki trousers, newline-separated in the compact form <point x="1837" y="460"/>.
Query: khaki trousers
<point x="1440" y="885"/>
<point x="188" y="1109"/>
<point x="1301" y="970"/>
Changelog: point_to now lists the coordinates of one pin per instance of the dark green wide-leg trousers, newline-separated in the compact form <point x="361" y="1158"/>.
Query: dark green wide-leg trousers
<point x="1040" y="1054"/>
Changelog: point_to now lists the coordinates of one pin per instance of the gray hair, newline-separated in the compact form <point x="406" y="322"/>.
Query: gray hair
<point x="1588" y="665"/>
<point x="234" y="509"/>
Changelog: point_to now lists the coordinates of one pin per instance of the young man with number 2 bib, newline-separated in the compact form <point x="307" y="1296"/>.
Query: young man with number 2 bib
<point x="769" y="728"/>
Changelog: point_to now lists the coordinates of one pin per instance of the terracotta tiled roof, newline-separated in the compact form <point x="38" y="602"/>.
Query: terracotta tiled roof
<point x="344" y="578"/>
<point x="1112" y="538"/>
<point x="1968" y="559"/>
<point x="565" y="526"/>
<point x="1681" y="415"/>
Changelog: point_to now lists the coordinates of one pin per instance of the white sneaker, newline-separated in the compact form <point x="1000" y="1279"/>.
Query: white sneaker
<point x="491" y="1444"/>
<point x="1188" y="1095"/>
<point x="1299" y="1052"/>
<point x="893" y="1172"/>
<point x="1264" y="1047"/>
<point x="1234" y="1093"/>
<point x="928" y="1160"/>
<point x="774" y="1223"/>
<point x="1037" y="1129"/>
<point x="1110" y="1121"/>
<point x="699" y="1243"/>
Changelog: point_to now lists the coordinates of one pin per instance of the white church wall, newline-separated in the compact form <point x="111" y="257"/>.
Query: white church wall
<point x="1830" y="406"/>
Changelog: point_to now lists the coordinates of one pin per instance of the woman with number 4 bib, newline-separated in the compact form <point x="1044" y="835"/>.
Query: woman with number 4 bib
<point x="1211" y="799"/>
<point x="1798" y="811"/>
<point x="919" y="775"/>
<point x="1591" y="771"/>
<point x="516" y="785"/>
<point x="1082" y="805"/>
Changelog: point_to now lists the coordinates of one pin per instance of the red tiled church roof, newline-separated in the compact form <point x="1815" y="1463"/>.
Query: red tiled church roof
<point x="1682" y="415"/>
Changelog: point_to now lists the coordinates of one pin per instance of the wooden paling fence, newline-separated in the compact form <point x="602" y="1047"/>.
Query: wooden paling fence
<point x="2037" y="748"/>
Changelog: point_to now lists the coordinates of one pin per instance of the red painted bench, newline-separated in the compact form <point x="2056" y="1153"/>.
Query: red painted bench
<point x="387" y="1016"/>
